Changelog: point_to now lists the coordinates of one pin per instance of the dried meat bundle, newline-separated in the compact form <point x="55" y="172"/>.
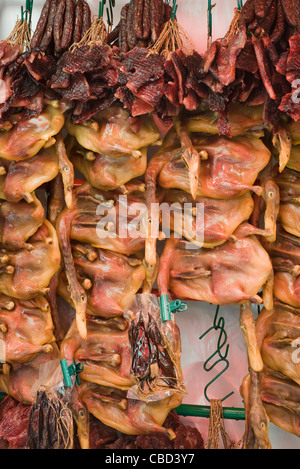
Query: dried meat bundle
<point x="85" y="80"/>
<point x="155" y="351"/>
<point x="61" y="24"/>
<point x="249" y="65"/>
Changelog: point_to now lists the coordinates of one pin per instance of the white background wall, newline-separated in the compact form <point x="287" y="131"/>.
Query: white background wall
<point x="192" y="15"/>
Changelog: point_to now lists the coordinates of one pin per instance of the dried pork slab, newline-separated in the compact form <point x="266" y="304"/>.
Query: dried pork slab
<point x="278" y="332"/>
<point x="26" y="328"/>
<point x="110" y="133"/>
<point x="228" y="274"/>
<point x="28" y="136"/>
<point x="105" y="353"/>
<point x="132" y="417"/>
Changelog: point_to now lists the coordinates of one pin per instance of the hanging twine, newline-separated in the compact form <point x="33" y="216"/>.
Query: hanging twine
<point x="172" y="37"/>
<point x="20" y="35"/>
<point x="95" y="35"/>
<point x="234" y="26"/>
<point x="217" y="428"/>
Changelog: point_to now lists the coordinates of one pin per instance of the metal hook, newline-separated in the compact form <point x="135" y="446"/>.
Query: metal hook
<point x="101" y="8"/>
<point x="174" y="10"/>
<point x="218" y="324"/>
<point x="109" y="12"/>
<point x="240" y="4"/>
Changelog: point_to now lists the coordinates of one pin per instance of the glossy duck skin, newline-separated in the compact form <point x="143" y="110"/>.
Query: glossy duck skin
<point x="280" y="396"/>
<point x="27" y="272"/>
<point x="230" y="169"/>
<point x="111" y="279"/>
<point x="277" y="333"/>
<point x="107" y="172"/>
<point x="131" y="417"/>
<point x="206" y="222"/>
<point x="105" y="354"/>
<point x="22" y="178"/>
<point x="98" y="217"/>
<point x="81" y="222"/>
<point x="26" y="328"/>
<point x="27" y="137"/>
<point x="23" y="377"/>
<point x="110" y="133"/>
<point x="285" y="255"/>
<point x="19" y="221"/>
<point x="289" y="214"/>
<point x="228" y="274"/>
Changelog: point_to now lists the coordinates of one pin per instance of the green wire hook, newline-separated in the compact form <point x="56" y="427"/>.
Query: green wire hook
<point x="218" y="324"/>
<point x="240" y="4"/>
<point x="209" y="18"/>
<point x="101" y="8"/>
<point x="174" y="10"/>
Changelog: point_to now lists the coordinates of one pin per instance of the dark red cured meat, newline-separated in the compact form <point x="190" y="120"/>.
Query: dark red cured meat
<point x="291" y="10"/>
<point x="58" y="25"/>
<point x="262" y="65"/>
<point x="246" y="59"/>
<point x="291" y="106"/>
<point x="66" y="40"/>
<point x="228" y="49"/>
<point x="85" y="59"/>
<point x="136" y="106"/>
<point x="78" y="22"/>
<point x="138" y="17"/>
<point x="47" y="37"/>
<point x="90" y="108"/>
<point x="14" y="418"/>
<point x="41" y="25"/>
<point x="131" y="37"/>
<point x="86" y="18"/>
<point x="123" y="43"/>
<point x="156" y="18"/>
<point x="266" y="24"/>
<point x="140" y="68"/>
<point x="279" y="28"/>
<point x="247" y="13"/>
<point x="293" y="59"/>
<point x="146" y="20"/>
<point x="78" y="89"/>
<point x="41" y="67"/>
<point x="152" y="92"/>
<point x="9" y="54"/>
<point x="262" y="7"/>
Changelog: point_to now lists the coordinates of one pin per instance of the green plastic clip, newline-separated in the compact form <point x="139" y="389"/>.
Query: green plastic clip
<point x="71" y="370"/>
<point x="166" y="308"/>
